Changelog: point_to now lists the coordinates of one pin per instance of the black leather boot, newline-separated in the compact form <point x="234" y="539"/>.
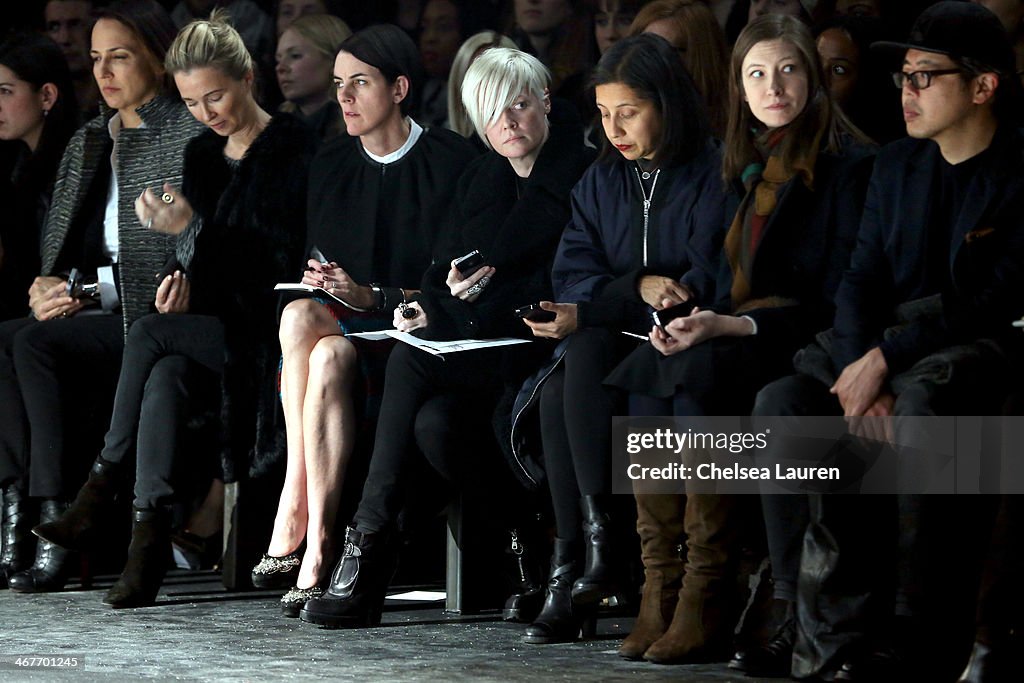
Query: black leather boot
<point x="599" y="579"/>
<point x="49" y="572"/>
<point x="149" y="556"/>
<point x="83" y="519"/>
<point x="16" y="542"/>
<point x="559" y="620"/>
<point x="527" y="592"/>
<point x="774" y="659"/>
<point x="355" y="597"/>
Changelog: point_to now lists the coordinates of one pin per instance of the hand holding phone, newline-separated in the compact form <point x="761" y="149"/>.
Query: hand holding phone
<point x="664" y="316"/>
<point x="535" y="313"/>
<point x="469" y="264"/>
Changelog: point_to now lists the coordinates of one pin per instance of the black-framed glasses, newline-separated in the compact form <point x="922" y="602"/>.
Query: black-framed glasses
<point x="920" y="79"/>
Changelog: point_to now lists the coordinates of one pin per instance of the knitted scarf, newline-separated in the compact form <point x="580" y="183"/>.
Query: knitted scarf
<point x="762" y="180"/>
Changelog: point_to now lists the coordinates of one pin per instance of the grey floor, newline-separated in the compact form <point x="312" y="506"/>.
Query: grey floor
<point x="199" y="632"/>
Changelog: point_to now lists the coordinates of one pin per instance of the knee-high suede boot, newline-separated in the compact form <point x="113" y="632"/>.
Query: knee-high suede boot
<point x="705" y="614"/>
<point x="659" y="523"/>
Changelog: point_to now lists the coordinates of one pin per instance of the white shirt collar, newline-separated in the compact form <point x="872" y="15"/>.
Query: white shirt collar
<point x="415" y="131"/>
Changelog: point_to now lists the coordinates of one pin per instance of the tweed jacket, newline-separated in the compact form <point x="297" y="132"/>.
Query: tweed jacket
<point x="148" y="156"/>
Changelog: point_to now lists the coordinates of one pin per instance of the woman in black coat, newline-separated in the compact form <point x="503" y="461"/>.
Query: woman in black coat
<point x="243" y="193"/>
<point x="511" y="205"/>
<point x="646" y="227"/>
<point x="790" y="155"/>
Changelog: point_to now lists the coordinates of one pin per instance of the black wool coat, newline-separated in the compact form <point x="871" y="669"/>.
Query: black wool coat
<point x="252" y="236"/>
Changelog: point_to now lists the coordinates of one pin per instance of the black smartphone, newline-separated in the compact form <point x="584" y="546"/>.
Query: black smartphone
<point x="469" y="264"/>
<point x="665" y="315"/>
<point x="168" y="269"/>
<point x="534" y="313"/>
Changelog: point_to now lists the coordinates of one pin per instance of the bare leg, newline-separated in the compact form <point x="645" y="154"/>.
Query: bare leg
<point x="303" y="324"/>
<point x="328" y="432"/>
<point x="208" y="519"/>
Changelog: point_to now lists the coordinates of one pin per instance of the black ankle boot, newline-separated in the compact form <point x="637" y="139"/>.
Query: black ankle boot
<point x="774" y="659"/>
<point x="149" y="556"/>
<point x="599" y="579"/>
<point x="527" y="596"/>
<point x="49" y="572"/>
<point x="83" y="520"/>
<point x="16" y="540"/>
<point x="559" y="620"/>
<point x="355" y="597"/>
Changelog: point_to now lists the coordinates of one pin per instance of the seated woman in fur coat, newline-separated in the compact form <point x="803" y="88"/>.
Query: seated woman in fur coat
<point x="243" y="193"/>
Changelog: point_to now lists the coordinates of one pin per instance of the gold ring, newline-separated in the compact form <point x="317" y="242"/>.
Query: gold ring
<point x="167" y="198"/>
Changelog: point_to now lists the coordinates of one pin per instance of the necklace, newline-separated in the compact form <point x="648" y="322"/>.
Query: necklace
<point x="646" y="175"/>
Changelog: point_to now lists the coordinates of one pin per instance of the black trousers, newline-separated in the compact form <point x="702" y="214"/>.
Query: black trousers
<point x="576" y="425"/>
<point x="171" y="370"/>
<point x="855" y="561"/>
<point x="64" y="376"/>
<point x="436" y="408"/>
<point x="14" y="444"/>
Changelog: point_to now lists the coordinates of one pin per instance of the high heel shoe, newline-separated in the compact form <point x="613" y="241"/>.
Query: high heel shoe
<point x="148" y="557"/>
<point x="296" y="598"/>
<point x="49" y="572"/>
<point x="16" y="540"/>
<point x="277" y="572"/>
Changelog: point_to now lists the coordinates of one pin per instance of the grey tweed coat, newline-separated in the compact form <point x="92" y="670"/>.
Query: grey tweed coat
<point x="147" y="156"/>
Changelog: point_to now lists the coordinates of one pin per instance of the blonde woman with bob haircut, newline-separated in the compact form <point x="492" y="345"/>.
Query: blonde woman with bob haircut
<point x="511" y="204"/>
<point x="305" y="57"/>
<point x="243" y="193"/>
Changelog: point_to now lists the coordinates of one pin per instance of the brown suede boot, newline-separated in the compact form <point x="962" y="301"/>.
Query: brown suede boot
<point x="705" y="615"/>
<point x="659" y="523"/>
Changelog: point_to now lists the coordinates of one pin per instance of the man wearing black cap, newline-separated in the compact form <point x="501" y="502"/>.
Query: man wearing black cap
<point x="938" y="267"/>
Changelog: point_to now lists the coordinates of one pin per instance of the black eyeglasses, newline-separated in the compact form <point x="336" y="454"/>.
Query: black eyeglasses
<point x="920" y="79"/>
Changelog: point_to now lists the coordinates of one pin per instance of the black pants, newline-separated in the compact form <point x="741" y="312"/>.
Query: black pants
<point x="65" y="372"/>
<point x="13" y="421"/>
<point x="426" y="401"/>
<point x="576" y="425"/>
<point x="171" y="368"/>
<point x="855" y="561"/>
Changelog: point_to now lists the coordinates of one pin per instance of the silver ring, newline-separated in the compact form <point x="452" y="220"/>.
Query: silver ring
<point x="484" y="281"/>
<point x="475" y="289"/>
<point x="167" y="198"/>
<point x="149" y="223"/>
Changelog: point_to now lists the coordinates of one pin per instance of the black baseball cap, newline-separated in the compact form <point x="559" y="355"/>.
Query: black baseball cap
<point x="959" y="30"/>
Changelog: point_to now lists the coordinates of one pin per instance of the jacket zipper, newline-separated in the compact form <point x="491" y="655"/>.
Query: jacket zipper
<point x="515" y="421"/>
<point x="647" y="204"/>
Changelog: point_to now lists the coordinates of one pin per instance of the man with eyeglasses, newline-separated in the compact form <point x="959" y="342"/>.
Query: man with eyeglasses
<point x="922" y="328"/>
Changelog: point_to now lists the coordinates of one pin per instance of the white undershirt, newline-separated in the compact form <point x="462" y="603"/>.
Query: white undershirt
<point x="111" y="241"/>
<point x="415" y="131"/>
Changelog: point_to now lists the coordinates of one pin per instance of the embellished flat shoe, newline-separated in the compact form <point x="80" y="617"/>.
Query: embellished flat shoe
<point x="293" y="601"/>
<point x="276" y="572"/>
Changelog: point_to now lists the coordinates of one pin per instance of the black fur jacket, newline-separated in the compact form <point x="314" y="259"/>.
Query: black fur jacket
<point x="252" y="236"/>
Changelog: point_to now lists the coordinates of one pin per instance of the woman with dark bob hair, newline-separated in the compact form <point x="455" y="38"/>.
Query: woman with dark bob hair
<point x="511" y="204"/>
<point x="243" y="192"/>
<point x="65" y="355"/>
<point x="378" y="200"/>
<point x="646" y="232"/>
<point x="801" y="174"/>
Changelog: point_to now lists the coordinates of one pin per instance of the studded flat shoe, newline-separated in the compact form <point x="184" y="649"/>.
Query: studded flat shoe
<point x="276" y="572"/>
<point x="293" y="601"/>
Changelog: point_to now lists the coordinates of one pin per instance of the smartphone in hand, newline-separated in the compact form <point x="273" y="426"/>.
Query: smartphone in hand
<point x="666" y="315"/>
<point x="534" y="313"/>
<point x="469" y="264"/>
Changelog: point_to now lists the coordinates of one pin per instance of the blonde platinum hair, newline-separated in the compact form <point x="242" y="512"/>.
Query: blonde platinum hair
<point x="209" y="43"/>
<point x="458" y="119"/>
<point x="495" y="79"/>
